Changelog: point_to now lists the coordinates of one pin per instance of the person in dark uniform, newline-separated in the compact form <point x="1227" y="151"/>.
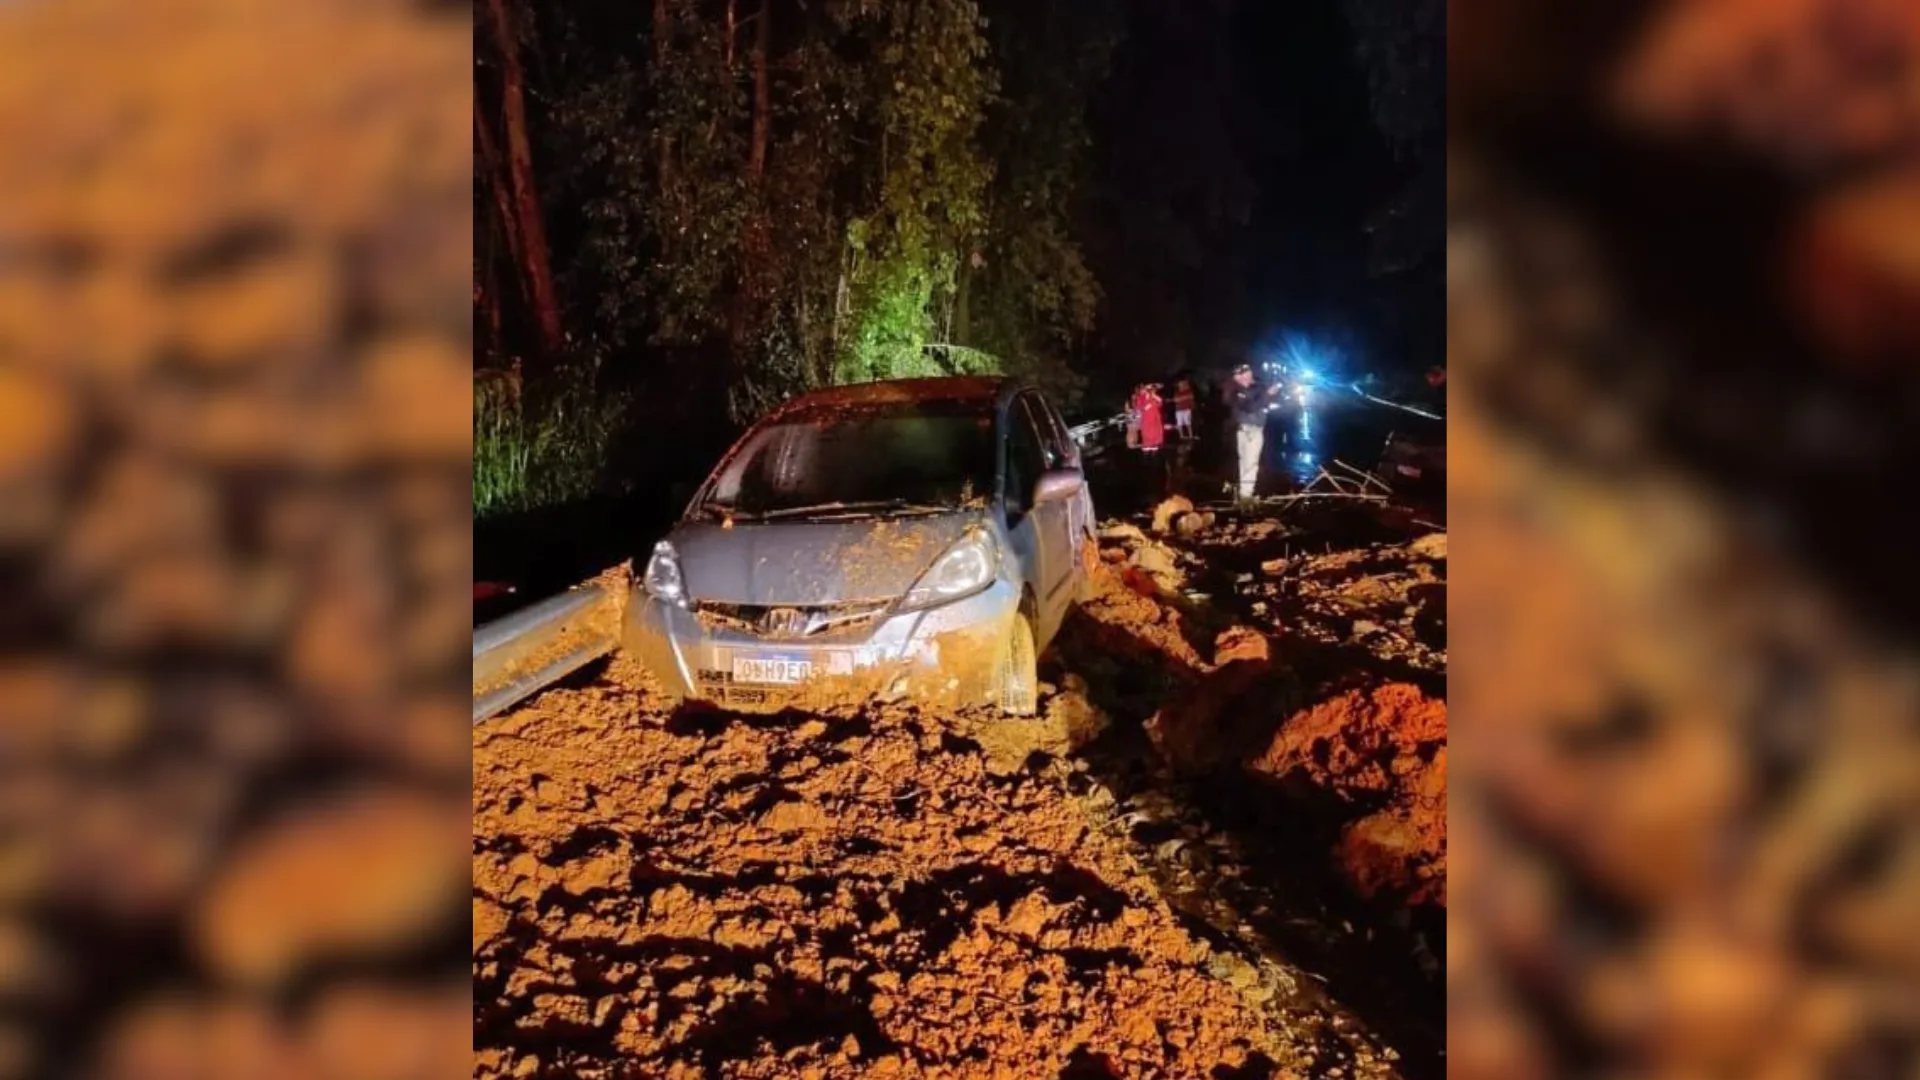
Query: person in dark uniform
<point x="1248" y="403"/>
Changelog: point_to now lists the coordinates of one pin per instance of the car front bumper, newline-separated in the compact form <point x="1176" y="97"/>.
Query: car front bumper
<point x="947" y="654"/>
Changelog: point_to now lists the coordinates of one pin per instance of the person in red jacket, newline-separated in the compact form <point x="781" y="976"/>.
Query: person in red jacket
<point x="1152" y="428"/>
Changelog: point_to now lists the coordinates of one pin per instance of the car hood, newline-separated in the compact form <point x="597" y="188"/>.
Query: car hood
<point x="811" y="563"/>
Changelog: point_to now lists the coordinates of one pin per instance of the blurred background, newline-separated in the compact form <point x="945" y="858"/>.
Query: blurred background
<point x="1684" y="302"/>
<point x="235" y="436"/>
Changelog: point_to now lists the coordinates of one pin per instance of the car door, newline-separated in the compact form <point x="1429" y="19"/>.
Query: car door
<point x="1025" y="461"/>
<point x="1052" y="522"/>
<point x="1064" y="453"/>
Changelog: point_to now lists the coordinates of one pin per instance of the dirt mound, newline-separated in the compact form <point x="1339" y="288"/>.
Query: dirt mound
<point x="1383" y="751"/>
<point x="1224" y="715"/>
<point x="1322" y="623"/>
<point x="700" y="894"/>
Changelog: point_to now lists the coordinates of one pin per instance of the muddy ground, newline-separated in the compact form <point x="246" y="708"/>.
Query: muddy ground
<point x="1220" y="852"/>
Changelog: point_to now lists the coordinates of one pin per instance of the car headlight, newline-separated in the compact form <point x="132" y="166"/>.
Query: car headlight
<point x="969" y="566"/>
<point x="663" y="574"/>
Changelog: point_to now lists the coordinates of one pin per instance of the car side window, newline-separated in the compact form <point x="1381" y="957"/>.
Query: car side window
<point x="1051" y="445"/>
<point x="1026" y="460"/>
<point x="1066" y="454"/>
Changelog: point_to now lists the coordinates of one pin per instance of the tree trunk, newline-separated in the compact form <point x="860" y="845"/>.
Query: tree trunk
<point x="495" y="177"/>
<point x="762" y="92"/>
<point x="733" y="31"/>
<point x="535" y="261"/>
<point x="839" y="313"/>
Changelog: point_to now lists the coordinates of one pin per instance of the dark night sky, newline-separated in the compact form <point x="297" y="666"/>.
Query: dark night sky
<point x="1245" y="125"/>
<point x="1318" y="162"/>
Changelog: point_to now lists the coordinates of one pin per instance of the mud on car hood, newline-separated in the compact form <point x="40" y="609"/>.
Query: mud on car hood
<point x="803" y="563"/>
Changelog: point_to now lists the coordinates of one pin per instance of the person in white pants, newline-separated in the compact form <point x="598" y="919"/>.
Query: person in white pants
<point x="1248" y="404"/>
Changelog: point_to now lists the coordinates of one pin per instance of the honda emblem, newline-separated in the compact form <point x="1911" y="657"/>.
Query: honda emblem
<point x="784" y="622"/>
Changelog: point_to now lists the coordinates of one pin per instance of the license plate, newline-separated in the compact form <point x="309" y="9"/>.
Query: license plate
<point x="771" y="670"/>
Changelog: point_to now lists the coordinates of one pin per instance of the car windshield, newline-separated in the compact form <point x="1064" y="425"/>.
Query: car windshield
<point x="895" y="457"/>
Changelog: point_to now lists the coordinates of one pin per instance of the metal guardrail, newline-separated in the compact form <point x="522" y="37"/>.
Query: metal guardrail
<point x="518" y="655"/>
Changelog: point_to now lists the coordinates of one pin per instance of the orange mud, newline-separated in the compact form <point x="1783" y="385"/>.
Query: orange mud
<point x="1374" y="757"/>
<point x="707" y="895"/>
<point x="1365" y="747"/>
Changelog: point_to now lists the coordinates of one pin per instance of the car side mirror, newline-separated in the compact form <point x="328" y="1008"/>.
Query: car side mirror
<point x="1057" y="484"/>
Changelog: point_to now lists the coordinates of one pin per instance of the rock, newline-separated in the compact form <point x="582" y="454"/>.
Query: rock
<point x="1431" y="546"/>
<point x="489" y="922"/>
<point x="1168" y="510"/>
<point x="1240" y="643"/>
<point x="1157" y="561"/>
<point x="1233" y="970"/>
<point x="1193" y="524"/>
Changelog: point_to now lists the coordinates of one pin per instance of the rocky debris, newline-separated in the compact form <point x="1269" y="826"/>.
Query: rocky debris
<point x="876" y="905"/>
<point x="1168" y="510"/>
<point x="1384" y="752"/>
<point x="1177" y="515"/>
<point x="1161" y="566"/>
<point x="1387" y="599"/>
<point x="1189" y="526"/>
<point x="1374" y="757"/>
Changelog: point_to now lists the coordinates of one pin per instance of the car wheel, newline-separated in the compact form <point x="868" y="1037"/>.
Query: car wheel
<point x="1019" y="676"/>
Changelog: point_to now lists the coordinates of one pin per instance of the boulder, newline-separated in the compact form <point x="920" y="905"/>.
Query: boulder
<point x="1168" y="510"/>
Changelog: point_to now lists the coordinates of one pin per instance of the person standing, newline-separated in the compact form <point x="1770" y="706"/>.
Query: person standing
<point x="1152" y="427"/>
<point x="1183" y="409"/>
<point x="1248" y="404"/>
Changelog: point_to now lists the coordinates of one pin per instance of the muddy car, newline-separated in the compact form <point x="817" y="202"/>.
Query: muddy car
<point x="918" y="538"/>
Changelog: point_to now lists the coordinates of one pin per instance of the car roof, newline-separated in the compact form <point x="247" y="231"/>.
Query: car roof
<point x="984" y="390"/>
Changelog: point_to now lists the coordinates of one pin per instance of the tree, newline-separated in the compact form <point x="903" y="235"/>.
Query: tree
<point x="765" y="196"/>
<point x="516" y="190"/>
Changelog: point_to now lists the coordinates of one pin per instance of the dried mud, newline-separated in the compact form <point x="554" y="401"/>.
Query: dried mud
<point x="696" y="893"/>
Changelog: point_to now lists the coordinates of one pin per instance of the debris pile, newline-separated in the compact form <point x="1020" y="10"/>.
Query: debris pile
<point x="694" y="893"/>
<point x="1387" y="599"/>
<point x="1386" y="749"/>
<point x="1323" y="693"/>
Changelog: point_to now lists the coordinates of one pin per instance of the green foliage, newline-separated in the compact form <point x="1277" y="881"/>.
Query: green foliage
<point x="904" y="202"/>
<point x="545" y="446"/>
<point x="935" y="84"/>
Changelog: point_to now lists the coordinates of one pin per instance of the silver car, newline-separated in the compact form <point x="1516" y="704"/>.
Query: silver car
<point x="921" y="538"/>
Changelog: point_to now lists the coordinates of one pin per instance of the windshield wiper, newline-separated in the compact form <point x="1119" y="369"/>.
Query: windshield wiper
<point x="858" y="507"/>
